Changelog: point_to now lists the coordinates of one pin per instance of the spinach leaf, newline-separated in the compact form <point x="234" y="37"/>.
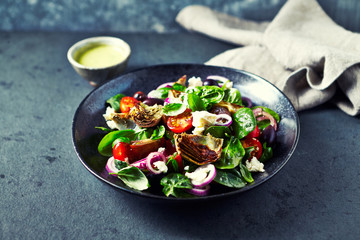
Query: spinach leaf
<point x="105" y="145"/>
<point x="115" y="101"/>
<point x="232" y="95"/>
<point x="158" y="132"/>
<point x="230" y="178"/>
<point x="173" y="109"/>
<point x="218" y="131"/>
<point x="244" y="122"/>
<point x="231" y="155"/>
<point x="134" y="178"/>
<point x="174" y="182"/>
<point x="195" y="102"/>
<point x="245" y="173"/>
<point x="267" y="153"/>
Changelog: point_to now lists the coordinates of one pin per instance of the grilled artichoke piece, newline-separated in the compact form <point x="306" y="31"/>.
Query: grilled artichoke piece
<point x="146" y="116"/>
<point x="118" y="121"/>
<point x="198" y="149"/>
<point x="232" y="108"/>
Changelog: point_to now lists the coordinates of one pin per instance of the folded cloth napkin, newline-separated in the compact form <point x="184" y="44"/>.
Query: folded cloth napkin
<point x="302" y="52"/>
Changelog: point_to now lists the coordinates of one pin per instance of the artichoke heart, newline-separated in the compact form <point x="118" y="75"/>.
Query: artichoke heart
<point x="198" y="149"/>
<point x="146" y="116"/>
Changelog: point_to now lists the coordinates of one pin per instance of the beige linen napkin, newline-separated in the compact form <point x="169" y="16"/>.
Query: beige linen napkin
<point x="302" y="51"/>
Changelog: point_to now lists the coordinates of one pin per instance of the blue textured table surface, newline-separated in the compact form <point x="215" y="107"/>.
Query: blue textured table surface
<point x="46" y="193"/>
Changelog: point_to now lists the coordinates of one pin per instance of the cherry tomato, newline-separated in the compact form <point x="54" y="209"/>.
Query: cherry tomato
<point x="127" y="103"/>
<point x="122" y="152"/>
<point x="253" y="142"/>
<point x="180" y="123"/>
<point x="254" y="134"/>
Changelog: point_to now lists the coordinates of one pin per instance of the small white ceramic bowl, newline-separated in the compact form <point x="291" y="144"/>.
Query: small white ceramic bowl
<point x="99" y="75"/>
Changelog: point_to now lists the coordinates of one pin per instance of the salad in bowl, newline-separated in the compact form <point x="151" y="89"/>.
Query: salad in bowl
<point x="187" y="137"/>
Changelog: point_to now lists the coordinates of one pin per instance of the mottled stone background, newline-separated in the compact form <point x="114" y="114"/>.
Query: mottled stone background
<point x="142" y="15"/>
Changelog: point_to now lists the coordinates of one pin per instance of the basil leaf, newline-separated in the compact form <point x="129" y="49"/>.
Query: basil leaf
<point x="161" y="93"/>
<point x="218" y="131"/>
<point x="267" y="153"/>
<point x="134" y="178"/>
<point x="158" y="132"/>
<point x="244" y="122"/>
<point x="230" y="178"/>
<point x="231" y="155"/>
<point x="179" y="87"/>
<point x="232" y="95"/>
<point x="195" y="102"/>
<point x="245" y="173"/>
<point x="120" y="164"/>
<point x="115" y="101"/>
<point x="120" y="139"/>
<point x="173" y="109"/>
<point x="105" y="145"/>
<point x="173" y="182"/>
<point x="208" y="94"/>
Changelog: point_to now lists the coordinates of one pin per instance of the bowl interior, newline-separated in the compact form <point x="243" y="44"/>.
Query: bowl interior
<point x="89" y="115"/>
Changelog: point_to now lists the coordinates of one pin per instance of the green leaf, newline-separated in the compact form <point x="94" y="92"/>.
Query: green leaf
<point x="120" y="139"/>
<point x="179" y="87"/>
<point x="231" y="155"/>
<point x="218" y="131"/>
<point x="105" y="145"/>
<point x="208" y="94"/>
<point x="158" y="132"/>
<point x="120" y="164"/>
<point x="134" y="178"/>
<point x="230" y="178"/>
<point x="115" y="101"/>
<point x="245" y="173"/>
<point x="232" y="95"/>
<point x="267" y="153"/>
<point x="244" y="122"/>
<point x="195" y="102"/>
<point x="104" y="129"/>
<point x="173" y="109"/>
<point x="173" y="182"/>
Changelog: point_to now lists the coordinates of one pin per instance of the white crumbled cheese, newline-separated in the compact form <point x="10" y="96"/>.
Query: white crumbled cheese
<point x="202" y="119"/>
<point x="254" y="165"/>
<point x="195" y="82"/>
<point x="161" y="149"/>
<point x="108" y="114"/>
<point x="161" y="166"/>
<point x="186" y="168"/>
<point x="200" y="174"/>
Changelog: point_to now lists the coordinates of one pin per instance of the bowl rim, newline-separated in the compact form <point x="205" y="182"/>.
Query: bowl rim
<point x="115" y="41"/>
<point x="195" y="199"/>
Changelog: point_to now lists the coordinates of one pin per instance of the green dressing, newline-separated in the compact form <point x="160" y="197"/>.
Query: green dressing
<point x="101" y="56"/>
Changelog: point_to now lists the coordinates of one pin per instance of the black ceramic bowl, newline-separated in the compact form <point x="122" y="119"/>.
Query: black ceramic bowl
<point x="89" y="115"/>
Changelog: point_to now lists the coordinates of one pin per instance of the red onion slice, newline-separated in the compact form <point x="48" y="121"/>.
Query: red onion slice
<point x="141" y="164"/>
<point x="223" y="120"/>
<point x="110" y="165"/>
<point x="199" y="191"/>
<point x="208" y="170"/>
<point x="154" y="157"/>
<point x="261" y="115"/>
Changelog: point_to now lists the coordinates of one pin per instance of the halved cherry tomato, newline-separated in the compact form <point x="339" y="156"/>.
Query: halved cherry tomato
<point x="254" y="134"/>
<point x="180" y="123"/>
<point x="122" y="152"/>
<point x="126" y="103"/>
<point x="253" y="142"/>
